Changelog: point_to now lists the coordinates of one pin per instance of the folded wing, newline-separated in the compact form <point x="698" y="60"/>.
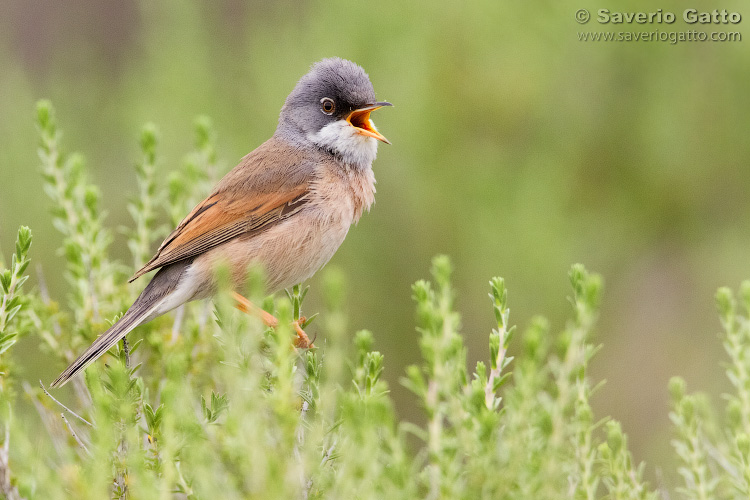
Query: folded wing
<point x="265" y="188"/>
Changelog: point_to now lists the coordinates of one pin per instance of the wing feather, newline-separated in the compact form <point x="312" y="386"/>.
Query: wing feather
<point x="269" y="185"/>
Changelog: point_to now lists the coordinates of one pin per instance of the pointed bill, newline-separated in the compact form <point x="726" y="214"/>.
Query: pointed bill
<point x="360" y="120"/>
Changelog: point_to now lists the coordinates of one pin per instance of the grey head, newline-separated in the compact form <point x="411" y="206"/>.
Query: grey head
<point x="330" y="108"/>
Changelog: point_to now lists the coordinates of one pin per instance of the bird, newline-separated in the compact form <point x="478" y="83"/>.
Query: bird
<point x="286" y="207"/>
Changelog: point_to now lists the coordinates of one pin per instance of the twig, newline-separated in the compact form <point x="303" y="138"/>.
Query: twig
<point x="300" y="442"/>
<point x="75" y="436"/>
<point x="6" y="442"/>
<point x="328" y="454"/>
<point x="495" y="373"/>
<point x="662" y="489"/>
<point x="725" y="464"/>
<point x="65" y="407"/>
<point x="326" y="458"/>
<point x="126" y="350"/>
<point x="44" y="294"/>
<point x="9" y="492"/>
<point x="92" y="283"/>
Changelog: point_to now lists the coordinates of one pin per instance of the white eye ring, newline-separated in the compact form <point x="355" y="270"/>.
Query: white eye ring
<point x="327" y="106"/>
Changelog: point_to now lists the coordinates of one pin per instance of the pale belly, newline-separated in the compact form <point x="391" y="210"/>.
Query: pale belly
<point x="288" y="252"/>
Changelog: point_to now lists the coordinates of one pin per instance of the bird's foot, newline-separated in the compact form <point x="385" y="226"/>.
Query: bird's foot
<point x="302" y="341"/>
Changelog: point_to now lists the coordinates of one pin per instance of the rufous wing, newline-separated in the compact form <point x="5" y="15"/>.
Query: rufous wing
<point x="222" y="217"/>
<point x="269" y="184"/>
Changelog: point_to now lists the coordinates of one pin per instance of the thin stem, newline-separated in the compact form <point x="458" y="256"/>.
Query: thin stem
<point x="75" y="436"/>
<point x="65" y="407"/>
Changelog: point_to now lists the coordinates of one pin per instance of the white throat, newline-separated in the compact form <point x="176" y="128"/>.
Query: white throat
<point x="341" y="138"/>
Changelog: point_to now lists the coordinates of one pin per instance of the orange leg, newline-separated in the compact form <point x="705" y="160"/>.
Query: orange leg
<point x="244" y="305"/>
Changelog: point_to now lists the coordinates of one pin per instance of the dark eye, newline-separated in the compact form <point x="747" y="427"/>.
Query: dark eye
<point x="327" y="105"/>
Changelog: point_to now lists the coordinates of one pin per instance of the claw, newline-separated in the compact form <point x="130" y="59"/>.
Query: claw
<point x="302" y="341"/>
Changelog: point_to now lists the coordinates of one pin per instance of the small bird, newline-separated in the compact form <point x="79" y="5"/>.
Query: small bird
<point x="286" y="207"/>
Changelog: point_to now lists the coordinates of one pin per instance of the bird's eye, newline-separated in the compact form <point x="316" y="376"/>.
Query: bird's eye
<point x="327" y="105"/>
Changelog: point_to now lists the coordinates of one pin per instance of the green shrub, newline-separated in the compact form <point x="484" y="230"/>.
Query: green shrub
<point x="211" y="404"/>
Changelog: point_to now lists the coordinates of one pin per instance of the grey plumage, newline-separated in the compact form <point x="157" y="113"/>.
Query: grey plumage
<point x="345" y="82"/>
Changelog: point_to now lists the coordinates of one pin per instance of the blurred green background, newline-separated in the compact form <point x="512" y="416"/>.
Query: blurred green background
<point x="517" y="150"/>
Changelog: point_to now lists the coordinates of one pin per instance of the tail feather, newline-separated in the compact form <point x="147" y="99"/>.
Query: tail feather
<point x="146" y="307"/>
<point x="134" y="317"/>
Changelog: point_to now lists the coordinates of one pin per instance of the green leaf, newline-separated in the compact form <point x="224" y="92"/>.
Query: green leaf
<point x="148" y="140"/>
<point x="153" y="418"/>
<point x="6" y="341"/>
<point x="22" y="268"/>
<point x="308" y="321"/>
<point x="20" y="281"/>
<point x="45" y="115"/>
<point x="5" y="279"/>
<point x="11" y="314"/>
<point x="219" y="404"/>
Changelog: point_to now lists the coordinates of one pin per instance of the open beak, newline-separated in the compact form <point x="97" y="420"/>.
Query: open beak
<point x="360" y="120"/>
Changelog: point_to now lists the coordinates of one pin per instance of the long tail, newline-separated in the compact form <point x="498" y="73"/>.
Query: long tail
<point x="152" y="302"/>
